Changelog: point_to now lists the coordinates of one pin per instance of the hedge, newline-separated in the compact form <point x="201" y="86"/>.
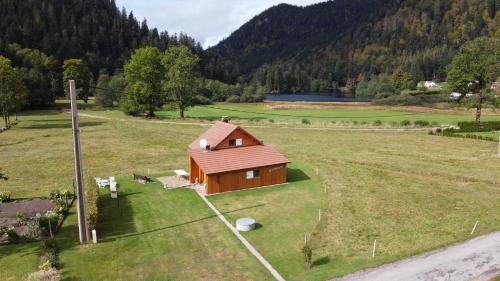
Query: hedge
<point x="472" y="126"/>
<point x="91" y="203"/>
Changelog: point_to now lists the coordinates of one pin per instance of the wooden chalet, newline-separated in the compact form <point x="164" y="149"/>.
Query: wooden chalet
<point x="226" y="158"/>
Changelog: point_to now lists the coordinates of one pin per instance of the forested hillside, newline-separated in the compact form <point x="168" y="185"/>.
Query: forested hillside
<point x="39" y="35"/>
<point x="95" y="30"/>
<point x="336" y="43"/>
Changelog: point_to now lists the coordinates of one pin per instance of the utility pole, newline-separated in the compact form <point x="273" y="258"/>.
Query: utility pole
<point x="82" y="222"/>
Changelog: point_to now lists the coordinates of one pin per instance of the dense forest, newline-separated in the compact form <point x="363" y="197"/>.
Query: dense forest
<point x="362" y="48"/>
<point x="333" y="44"/>
<point x="38" y="35"/>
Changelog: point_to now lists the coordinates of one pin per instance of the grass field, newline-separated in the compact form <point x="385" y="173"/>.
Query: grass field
<point x="150" y="234"/>
<point x="411" y="191"/>
<point x="321" y="114"/>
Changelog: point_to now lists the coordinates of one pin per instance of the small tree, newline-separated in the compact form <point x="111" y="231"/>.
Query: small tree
<point x="473" y="68"/>
<point x="76" y="69"/>
<point x="181" y="80"/>
<point x="117" y="85"/>
<point x="13" y="93"/>
<point x="103" y="93"/>
<point x="307" y="253"/>
<point x="144" y="73"/>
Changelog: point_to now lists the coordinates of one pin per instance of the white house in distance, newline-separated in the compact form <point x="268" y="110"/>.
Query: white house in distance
<point x="428" y="84"/>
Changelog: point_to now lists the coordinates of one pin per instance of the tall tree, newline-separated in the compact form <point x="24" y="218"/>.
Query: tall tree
<point x="13" y="93"/>
<point x="474" y="67"/>
<point x="103" y="93"/>
<point x="144" y="73"/>
<point x="117" y="85"/>
<point x="76" y="69"/>
<point x="181" y="79"/>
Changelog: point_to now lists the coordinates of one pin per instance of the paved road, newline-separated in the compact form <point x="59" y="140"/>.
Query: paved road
<point x="477" y="259"/>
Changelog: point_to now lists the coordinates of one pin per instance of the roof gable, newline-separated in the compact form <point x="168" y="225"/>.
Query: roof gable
<point x="217" y="134"/>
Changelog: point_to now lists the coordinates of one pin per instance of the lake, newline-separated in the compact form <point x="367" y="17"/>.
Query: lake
<point x="314" y="98"/>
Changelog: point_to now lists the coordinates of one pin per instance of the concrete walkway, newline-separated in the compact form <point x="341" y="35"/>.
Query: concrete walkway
<point x="477" y="259"/>
<point x="247" y="244"/>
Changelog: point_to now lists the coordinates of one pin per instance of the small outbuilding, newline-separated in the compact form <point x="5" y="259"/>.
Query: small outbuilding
<point x="227" y="158"/>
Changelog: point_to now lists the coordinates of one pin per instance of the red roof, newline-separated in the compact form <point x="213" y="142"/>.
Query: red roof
<point x="233" y="159"/>
<point x="214" y="135"/>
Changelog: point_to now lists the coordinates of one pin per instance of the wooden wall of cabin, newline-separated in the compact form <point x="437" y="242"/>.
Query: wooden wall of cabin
<point x="238" y="134"/>
<point x="235" y="180"/>
<point x="194" y="170"/>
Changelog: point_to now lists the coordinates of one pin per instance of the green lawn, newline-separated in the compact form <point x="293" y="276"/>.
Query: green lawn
<point x="411" y="191"/>
<point x="325" y="115"/>
<point x="150" y="234"/>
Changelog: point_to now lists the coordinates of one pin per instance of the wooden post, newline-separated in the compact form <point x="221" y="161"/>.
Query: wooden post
<point x="82" y="221"/>
<point x="50" y="229"/>
<point x="374" y="247"/>
<point x="474" y="228"/>
<point x="319" y="215"/>
<point x="498" y="153"/>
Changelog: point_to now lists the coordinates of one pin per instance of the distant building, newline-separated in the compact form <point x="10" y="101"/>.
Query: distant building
<point x="428" y="84"/>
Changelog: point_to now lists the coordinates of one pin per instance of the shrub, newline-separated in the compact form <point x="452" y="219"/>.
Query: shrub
<point x="92" y="203"/>
<point x="306" y="121"/>
<point x="486" y="126"/>
<point x="355" y="122"/>
<point x="405" y="123"/>
<point x="271" y="121"/>
<point x="49" y="221"/>
<point x="45" y="275"/>
<point x="20" y="217"/>
<point x="3" y="230"/>
<point x="307" y="254"/>
<point x="48" y="254"/>
<point x="33" y="230"/>
<point x="233" y="99"/>
<point x="200" y="99"/>
<point x="377" y="123"/>
<point x="12" y="235"/>
<point x="4" y="196"/>
<point x="363" y="123"/>
<point x="421" y="123"/>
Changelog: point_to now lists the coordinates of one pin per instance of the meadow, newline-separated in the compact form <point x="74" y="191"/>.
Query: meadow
<point x="411" y="191"/>
<point x="330" y="113"/>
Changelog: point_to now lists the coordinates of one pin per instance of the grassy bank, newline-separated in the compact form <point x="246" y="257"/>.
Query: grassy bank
<point x="320" y="114"/>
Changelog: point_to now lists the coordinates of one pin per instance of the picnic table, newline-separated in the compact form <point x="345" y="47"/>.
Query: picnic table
<point x="181" y="173"/>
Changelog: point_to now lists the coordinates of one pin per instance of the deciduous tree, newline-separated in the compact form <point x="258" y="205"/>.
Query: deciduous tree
<point x="13" y="93"/>
<point x="144" y="74"/>
<point x="473" y="68"/>
<point x="76" y="69"/>
<point x="181" y="81"/>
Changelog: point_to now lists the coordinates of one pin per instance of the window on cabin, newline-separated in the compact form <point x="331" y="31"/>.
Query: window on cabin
<point x="235" y="142"/>
<point x="252" y="174"/>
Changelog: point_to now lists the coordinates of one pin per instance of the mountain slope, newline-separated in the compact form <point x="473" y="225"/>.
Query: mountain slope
<point x="95" y="30"/>
<point x="339" y="40"/>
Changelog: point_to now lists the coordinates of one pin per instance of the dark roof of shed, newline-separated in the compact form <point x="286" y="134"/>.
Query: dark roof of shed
<point x="233" y="159"/>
